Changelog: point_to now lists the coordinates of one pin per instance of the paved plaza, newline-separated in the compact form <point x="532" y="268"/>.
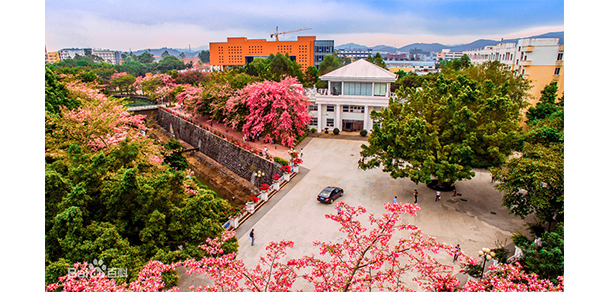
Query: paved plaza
<point x="296" y="215"/>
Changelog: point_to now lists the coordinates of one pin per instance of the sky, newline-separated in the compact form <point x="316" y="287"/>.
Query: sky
<point x="124" y="25"/>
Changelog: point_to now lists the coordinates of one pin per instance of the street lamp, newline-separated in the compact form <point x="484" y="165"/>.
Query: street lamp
<point x="259" y="174"/>
<point x="487" y="254"/>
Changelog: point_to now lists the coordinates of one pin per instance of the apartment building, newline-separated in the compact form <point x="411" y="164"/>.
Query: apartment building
<point x="539" y="60"/>
<point x="355" y="53"/>
<point x="110" y="57"/>
<point x="448" y="55"/>
<point x="51" y="57"/>
<point x="240" y="51"/>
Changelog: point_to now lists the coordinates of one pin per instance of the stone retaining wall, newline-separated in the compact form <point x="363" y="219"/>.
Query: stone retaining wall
<point x="238" y="160"/>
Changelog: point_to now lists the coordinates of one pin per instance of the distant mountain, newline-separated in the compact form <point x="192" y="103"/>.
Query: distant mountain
<point x="171" y="51"/>
<point x="436" y="47"/>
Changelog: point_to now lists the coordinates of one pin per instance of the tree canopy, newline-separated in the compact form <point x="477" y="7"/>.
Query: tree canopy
<point x="444" y="129"/>
<point x="109" y="195"/>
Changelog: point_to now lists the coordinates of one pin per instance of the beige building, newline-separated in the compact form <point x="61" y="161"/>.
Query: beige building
<point x="539" y="60"/>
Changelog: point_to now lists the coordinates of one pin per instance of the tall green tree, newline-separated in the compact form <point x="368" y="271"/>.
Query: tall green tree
<point x="146" y="58"/>
<point x="377" y="60"/>
<point x="444" y="130"/>
<point x="329" y="63"/>
<point x="204" y="56"/>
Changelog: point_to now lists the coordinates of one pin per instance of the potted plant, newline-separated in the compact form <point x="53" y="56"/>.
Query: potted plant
<point x="264" y="195"/>
<point x="276" y="181"/>
<point x="286" y="169"/>
<point x="296" y="163"/>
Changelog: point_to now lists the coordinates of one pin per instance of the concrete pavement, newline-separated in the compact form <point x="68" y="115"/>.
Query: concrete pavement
<point x="474" y="220"/>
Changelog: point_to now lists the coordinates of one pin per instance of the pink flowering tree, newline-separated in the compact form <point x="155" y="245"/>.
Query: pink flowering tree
<point x="275" y="110"/>
<point x="367" y="258"/>
<point x="156" y="86"/>
<point x="122" y="82"/>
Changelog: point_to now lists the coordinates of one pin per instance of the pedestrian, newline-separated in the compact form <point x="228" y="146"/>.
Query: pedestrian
<point x="395" y="200"/>
<point x="454" y="192"/>
<point x="438" y="196"/>
<point x="211" y="123"/>
<point x="252" y="236"/>
<point x="339" y="211"/>
<point x="301" y="153"/>
<point x="359" y="161"/>
<point x="415" y="194"/>
<point x="456" y="253"/>
<point x="265" y="150"/>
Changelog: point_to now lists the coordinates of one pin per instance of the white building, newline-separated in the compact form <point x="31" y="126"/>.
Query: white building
<point x="110" y="57"/>
<point x="354" y="90"/>
<point x="448" y="55"/>
<point x="502" y="52"/>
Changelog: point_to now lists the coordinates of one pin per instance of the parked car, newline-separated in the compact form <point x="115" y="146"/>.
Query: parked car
<point x="330" y="194"/>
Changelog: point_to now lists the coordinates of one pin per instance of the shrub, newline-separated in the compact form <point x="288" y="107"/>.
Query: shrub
<point x="336" y="131"/>
<point x="313" y="130"/>
<point x="363" y="132"/>
<point x="281" y="161"/>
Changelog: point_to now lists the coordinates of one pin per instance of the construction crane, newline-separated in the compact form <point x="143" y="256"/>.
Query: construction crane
<point x="276" y="34"/>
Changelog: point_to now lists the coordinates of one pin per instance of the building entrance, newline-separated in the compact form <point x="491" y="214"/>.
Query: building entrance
<point x="352" y="125"/>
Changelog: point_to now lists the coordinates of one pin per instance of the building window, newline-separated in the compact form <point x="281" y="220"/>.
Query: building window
<point x="358" y="88"/>
<point x="560" y="57"/>
<point x="313" y="121"/>
<point x="335" y="88"/>
<point x="380" y="89"/>
<point x="557" y="70"/>
<point x="312" y="107"/>
<point x="353" y="109"/>
<point x="330" y="123"/>
<point x="330" y="108"/>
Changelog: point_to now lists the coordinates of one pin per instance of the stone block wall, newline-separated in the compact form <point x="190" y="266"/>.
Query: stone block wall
<point x="229" y="155"/>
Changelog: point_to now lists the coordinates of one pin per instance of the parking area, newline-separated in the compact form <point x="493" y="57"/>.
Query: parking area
<point x="474" y="220"/>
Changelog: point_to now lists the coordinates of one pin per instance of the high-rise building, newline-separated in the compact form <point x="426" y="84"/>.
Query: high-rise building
<point x="240" y="51"/>
<point x="322" y="48"/>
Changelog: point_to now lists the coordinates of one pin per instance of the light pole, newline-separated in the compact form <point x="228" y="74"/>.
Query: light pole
<point x="487" y="254"/>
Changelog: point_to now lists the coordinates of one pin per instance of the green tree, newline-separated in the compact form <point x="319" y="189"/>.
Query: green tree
<point x="56" y="94"/>
<point x="311" y="76"/>
<point x="182" y="56"/>
<point x="146" y="58"/>
<point x="443" y="130"/>
<point x="534" y="183"/>
<point x="329" y="63"/>
<point x="204" y="56"/>
<point x="377" y="60"/>
<point x="545" y="258"/>
<point x="169" y="63"/>
<point x="165" y="54"/>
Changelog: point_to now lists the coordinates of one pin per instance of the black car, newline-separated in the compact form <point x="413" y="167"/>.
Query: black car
<point x="330" y="194"/>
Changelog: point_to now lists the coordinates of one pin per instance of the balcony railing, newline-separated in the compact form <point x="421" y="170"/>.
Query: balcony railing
<point x="528" y="49"/>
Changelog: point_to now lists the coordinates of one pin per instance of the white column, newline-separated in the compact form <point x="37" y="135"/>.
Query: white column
<point x="319" y="126"/>
<point x="366" y="118"/>
<point x="338" y="123"/>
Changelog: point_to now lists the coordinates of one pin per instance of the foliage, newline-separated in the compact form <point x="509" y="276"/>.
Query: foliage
<point x="377" y="60"/>
<point x="364" y="259"/>
<point x="444" y="130"/>
<point x="280" y="160"/>
<point x="274" y="110"/>
<point x="547" y="259"/>
<point x="122" y="81"/>
<point x="534" y="182"/>
<point x="192" y="77"/>
<point x="286" y="169"/>
<point x="156" y="86"/>
<point x="204" y="56"/>
<point x="169" y="63"/>
<point x="109" y="197"/>
<point x="363" y="132"/>
<point x="336" y="131"/>
<point x="274" y="68"/>
<point x="546" y="118"/>
<point x="412" y="80"/>
<point x="311" y="76"/>
<point x="172" y="155"/>
<point x="56" y="94"/>
<point x="329" y="63"/>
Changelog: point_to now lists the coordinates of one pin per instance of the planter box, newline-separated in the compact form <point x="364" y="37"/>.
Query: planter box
<point x="264" y="196"/>
<point x="234" y="222"/>
<point x="287" y="176"/>
<point x="250" y="207"/>
<point x="275" y="186"/>
<point x="295" y="169"/>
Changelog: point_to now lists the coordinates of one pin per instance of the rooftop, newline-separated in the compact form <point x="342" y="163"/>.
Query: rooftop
<point x="360" y="70"/>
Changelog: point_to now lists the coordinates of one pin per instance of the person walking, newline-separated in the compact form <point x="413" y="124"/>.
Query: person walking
<point x="454" y="192"/>
<point x="415" y="194"/>
<point x="395" y="200"/>
<point x="456" y="253"/>
<point x="252" y="236"/>
<point x="438" y="196"/>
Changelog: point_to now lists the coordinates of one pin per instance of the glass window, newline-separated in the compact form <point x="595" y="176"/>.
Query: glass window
<point x="335" y="88"/>
<point x="313" y="121"/>
<point x="358" y="88"/>
<point x="380" y="89"/>
<point x="313" y="107"/>
<point x="557" y="70"/>
<point x="330" y="108"/>
<point x="330" y="122"/>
